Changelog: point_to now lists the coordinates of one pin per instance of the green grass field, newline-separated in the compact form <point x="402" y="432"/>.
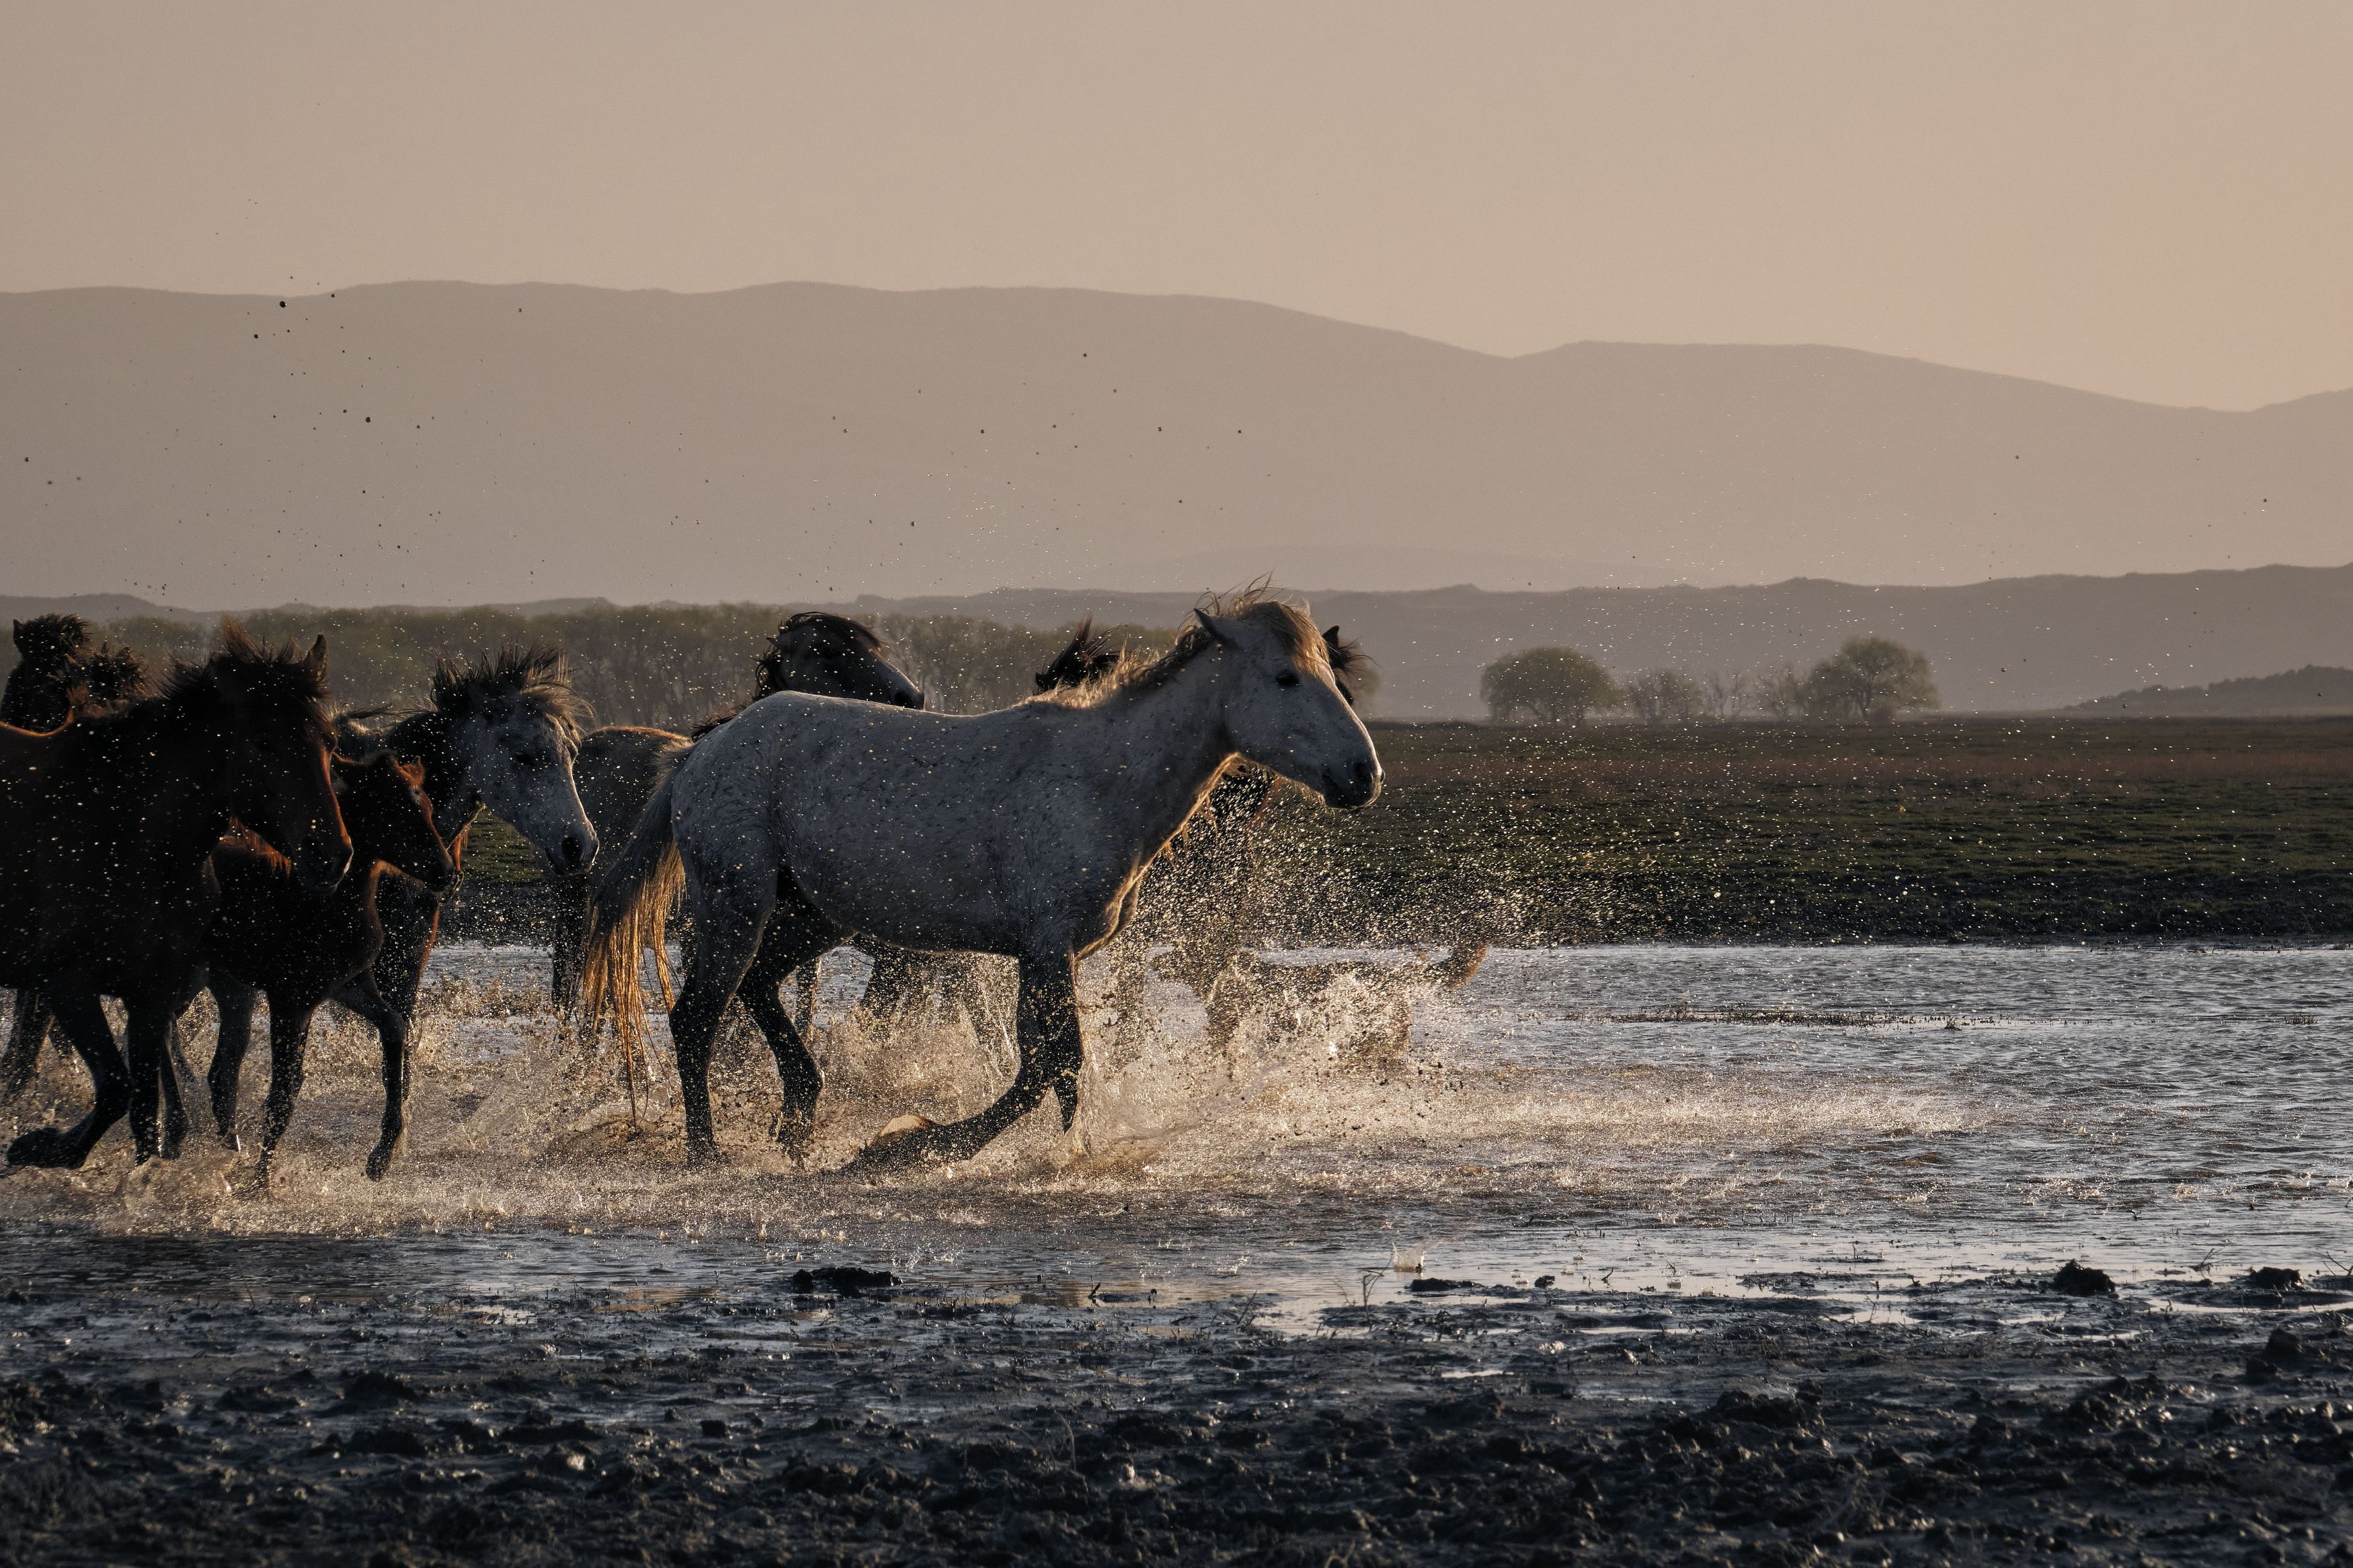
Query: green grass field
<point x="1976" y="829"/>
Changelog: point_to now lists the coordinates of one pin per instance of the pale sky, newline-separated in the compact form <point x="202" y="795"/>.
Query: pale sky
<point x="2146" y="199"/>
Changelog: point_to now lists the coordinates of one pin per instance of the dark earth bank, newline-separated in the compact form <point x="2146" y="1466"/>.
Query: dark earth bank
<point x="309" y="1401"/>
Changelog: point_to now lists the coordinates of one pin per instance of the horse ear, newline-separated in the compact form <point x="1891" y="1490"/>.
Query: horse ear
<point x="1219" y="631"/>
<point x="314" y="664"/>
<point x="16" y="630"/>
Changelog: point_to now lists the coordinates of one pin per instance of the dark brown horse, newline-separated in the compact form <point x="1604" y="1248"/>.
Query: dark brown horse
<point x="107" y="827"/>
<point x="58" y="676"/>
<point x="275" y="936"/>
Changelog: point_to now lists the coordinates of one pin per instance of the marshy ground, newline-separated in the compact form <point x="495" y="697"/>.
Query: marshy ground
<point x="1728" y="1254"/>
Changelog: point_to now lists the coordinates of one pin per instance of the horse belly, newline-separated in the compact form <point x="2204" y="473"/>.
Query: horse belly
<point x="939" y="902"/>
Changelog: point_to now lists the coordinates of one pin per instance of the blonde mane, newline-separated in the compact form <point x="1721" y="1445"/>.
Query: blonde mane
<point x="1136" y="670"/>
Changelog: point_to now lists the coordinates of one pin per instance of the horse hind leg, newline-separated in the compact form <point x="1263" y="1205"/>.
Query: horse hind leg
<point x="796" y="1069"/>
<point x="727" y="939"/>
<point x="25" y="1036"/>
<point x="83" y="1023"/>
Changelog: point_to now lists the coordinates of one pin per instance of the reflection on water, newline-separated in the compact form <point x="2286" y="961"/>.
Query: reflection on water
<point x="1644" y="1119"/>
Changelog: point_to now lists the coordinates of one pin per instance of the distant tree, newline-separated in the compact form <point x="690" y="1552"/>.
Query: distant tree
<point x="1549" y="685"/>
<point x="1872" y="679"/>
<point x="1666" y="697"/>
<point x="1781" y="694"/>
<point x="1729" y="696"/>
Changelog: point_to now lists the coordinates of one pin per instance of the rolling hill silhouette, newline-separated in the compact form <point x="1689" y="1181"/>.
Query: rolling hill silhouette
<point x="443" y="442"/>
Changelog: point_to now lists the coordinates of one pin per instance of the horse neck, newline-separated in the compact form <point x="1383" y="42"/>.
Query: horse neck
<point x="425" y="739"/>
<point x="1171" y="741"/>
<point x="166" y="775"/>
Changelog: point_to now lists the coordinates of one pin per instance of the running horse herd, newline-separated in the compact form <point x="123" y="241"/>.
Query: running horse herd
<point x="225" y="828"/>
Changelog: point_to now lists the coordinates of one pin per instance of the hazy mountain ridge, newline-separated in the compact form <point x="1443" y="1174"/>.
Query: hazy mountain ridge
<point x="2010" y="645"/>
<point x="2314" y="689"/>
<point x="455" y="442"/>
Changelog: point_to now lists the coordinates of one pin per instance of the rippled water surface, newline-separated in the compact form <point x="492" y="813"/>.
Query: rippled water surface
<point x="1668" y="1118"/>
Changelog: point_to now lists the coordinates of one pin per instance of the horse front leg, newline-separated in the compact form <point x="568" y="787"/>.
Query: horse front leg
<point x="796" y="1069"/>
<point x="25" y="1036"/>
<point x="568" y="942"/>
<point x="290" y="1043"/>
<point x="84" y="1024"/>
<point x="233" y="999"/>
<point x="392" y="1033"/>
<point x="1053" y="1052"/>
<point x="171" y="1059"/>
<point x="147" y="1045"/>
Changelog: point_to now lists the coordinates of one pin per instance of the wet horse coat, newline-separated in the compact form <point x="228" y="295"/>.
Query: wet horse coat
<point x="1022" y="833"/>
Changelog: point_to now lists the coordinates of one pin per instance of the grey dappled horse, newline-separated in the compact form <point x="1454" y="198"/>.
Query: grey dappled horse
<point x="1022" y="833"/>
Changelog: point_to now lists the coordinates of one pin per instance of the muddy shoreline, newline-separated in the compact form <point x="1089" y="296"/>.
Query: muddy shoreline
<point x="303" y="1400"/>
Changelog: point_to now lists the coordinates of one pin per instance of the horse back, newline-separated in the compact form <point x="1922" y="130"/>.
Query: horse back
<point x="931" y="830"/>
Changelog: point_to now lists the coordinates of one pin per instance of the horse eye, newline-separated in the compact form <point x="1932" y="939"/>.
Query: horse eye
<point x="1289" y="678"/>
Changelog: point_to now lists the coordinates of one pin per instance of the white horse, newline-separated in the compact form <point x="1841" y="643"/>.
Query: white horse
<point x="1023" y="832"/>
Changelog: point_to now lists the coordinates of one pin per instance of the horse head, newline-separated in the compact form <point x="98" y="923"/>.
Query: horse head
<point x="512" y="724"/>
<point x="269" y="707"/>
<point x="46" y="685"/>
<point x="826" y="654"/>
<point x="390" y="818"/>
<point x="1283" y="709"/>
<point x="1088" y="656"/>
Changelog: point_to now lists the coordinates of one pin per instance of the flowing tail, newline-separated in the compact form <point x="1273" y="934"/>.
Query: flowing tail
<point x="631" y="913"/>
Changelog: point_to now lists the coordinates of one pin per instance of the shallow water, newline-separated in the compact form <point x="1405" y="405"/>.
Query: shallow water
<point x="1644" y="1119"/>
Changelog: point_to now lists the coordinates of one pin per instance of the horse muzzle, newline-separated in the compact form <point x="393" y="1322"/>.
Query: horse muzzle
<point x="576" y="853"/>
<point x="1354" y="787"/>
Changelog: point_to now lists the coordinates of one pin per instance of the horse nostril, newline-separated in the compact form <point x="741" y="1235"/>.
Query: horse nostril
<point x="572" y="853"/>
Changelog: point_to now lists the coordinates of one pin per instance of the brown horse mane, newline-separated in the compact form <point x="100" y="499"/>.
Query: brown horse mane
<point x="115" y="674"/>
<point x="1088" y="656"/>
<point x="280" y="672"/>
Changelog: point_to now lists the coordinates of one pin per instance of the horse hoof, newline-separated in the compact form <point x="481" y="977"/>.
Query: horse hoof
<point x="379" y="1161"/>
<point x="46" y="1147"/>
<point x="795" y="1137"/>
<point x="705" y="1157"/>
<point x="904" y="1142"/>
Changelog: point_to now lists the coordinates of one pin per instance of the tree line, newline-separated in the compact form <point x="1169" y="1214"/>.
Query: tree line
<point x="1869" y="679"/>
<point x="669" y="666"/>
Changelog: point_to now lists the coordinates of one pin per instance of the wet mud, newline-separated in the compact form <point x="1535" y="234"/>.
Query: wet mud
<point x="300" y="1401"/>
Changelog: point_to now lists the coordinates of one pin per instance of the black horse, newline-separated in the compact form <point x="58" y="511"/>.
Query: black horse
<point x="106" y="829"/>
